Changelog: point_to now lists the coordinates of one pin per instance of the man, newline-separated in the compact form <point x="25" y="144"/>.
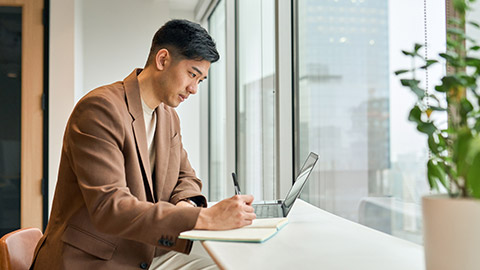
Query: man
<point x="125" y="186"/>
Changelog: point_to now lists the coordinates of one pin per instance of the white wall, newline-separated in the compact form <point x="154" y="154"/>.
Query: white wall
<point x="93" y="43"/>
<point x="62" y="81"/>
<point x="116" y="38"/>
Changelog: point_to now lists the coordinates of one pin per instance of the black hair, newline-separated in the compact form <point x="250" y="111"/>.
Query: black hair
<point x="184" y="40"/>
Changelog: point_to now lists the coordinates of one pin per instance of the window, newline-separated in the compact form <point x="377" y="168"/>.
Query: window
<point x="242" y="99"/>
<point x="352" y="111"/>
<point x="217" y="108"/>
<point x="256" y="98"/>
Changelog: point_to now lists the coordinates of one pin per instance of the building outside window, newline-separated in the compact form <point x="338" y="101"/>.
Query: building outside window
<point x="353" y="112"/>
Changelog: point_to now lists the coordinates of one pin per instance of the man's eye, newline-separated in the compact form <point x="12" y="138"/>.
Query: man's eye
<point x="200" y="81"/>
<point x="193" y="74"/>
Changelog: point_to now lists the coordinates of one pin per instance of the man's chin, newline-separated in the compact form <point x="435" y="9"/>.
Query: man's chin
<point x="172" y="105"/>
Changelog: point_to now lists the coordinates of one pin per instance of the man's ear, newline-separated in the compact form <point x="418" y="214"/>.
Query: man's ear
<point x="161" y="59"/>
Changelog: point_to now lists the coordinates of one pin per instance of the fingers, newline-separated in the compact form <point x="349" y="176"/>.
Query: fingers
<point x="250" y="216"/>
<point x="231" y="213"/>
<point x="249" y="213"/>
<point x="246" y="211"/>
<point x="246" y="219"/>
<point x="247" y="199"/>
<point x="248" y="208"/>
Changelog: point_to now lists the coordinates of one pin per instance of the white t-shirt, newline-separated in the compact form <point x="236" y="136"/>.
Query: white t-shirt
<point x="150" y="125"/>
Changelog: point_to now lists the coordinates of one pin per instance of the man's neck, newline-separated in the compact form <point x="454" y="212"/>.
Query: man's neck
<point x="146" y="85"/>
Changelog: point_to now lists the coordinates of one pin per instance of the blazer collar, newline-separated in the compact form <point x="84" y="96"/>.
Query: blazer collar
<point x="132" y="92"/>
<point x="163" y="136"/>
<point x="134" y="104"/>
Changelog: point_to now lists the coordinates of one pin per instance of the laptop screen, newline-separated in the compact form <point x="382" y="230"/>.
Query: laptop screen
<point x="300" y="181"/>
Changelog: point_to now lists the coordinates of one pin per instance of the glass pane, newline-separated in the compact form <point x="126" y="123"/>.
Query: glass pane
<point x="353" y="112"/>
<point x="217" y="109"/>
<point x="10" y="113"/>
<point x="256" y="98"/>
<point x="473" y="15"/>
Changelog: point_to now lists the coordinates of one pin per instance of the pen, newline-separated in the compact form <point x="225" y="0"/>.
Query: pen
<point x="235" y="184"/>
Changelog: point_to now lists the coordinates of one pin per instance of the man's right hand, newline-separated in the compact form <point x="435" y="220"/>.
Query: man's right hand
<point x="231" y="213"/>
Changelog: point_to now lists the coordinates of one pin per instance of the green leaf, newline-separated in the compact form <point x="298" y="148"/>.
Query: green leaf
<point x="452" y="43"/>
<point x="475" y="48"/>
<point x="472" y="61"/>
<point x="417" y="47"/>
<point x="468" y="81"/>
<point x="432" y="178"/>
<point x="455" y="21"/>
<point x="429" y="63"/>
<point x="441" y="88"/>
<point x="470" y="39"/>
<point x="451" y="81"/>
<point x="432" y="144"/>
<point x="477" y="125"/>
<point x="426" y="127"/>
<point x="401" y="71"/>
<point x="413" y="85"/>
<point x="450" y="56"/>
<point x="435" y="108"/>
<point x="461" y="150"/>
<point x="408" y="53"/>
<point x="472" y="159"/>
<point x="433" y="97"/>
<point x="415" y="115"/>
<point x="442" y="143"/>
<point x="414" y="52"/>
<point x="473" y="177"/>
<point x="474" y="148"/>
<point x="474" y="91"/>
<point x="408" y="82"/>
<point x="460" y="6"/>
<point x="442" y="176"/>
<point x="466" y="106"/>
<point x="436" y="172"/>
<point x="474" y="24"/>
<point x="455" y="31"/>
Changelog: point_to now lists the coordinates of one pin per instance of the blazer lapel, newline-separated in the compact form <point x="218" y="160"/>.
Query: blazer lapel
<point x="162" y="148"/>
<point x="134" y="103"/>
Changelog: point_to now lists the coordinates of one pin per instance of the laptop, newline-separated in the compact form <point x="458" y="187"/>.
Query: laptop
<point x="282" y="208"/>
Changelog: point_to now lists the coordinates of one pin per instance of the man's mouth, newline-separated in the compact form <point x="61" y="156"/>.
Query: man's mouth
<point x="182" y="98"/>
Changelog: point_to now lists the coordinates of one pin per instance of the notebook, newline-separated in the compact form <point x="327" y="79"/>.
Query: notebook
<point x="259" y="231"/>
<point x="282" y="208"/>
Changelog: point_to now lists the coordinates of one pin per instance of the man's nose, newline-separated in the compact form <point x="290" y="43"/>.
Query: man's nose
<point x="192" y="88"/>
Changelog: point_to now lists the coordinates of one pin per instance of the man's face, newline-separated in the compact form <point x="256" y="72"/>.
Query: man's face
<point x="181" y="79"/>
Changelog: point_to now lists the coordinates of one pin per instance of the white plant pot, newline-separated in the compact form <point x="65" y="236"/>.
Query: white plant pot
<point x="451" y="229"/>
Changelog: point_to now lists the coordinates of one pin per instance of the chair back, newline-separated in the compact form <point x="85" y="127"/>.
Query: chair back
<point x="17" y="248"/>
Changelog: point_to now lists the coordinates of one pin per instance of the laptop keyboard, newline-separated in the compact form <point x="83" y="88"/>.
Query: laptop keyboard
<point x="266" y="211"/>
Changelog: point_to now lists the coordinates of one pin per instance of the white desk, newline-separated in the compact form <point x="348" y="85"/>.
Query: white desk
<point x="316" y="239"/>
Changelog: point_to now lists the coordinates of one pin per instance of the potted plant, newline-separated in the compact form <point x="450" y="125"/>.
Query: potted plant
<point x="451" y="221"/>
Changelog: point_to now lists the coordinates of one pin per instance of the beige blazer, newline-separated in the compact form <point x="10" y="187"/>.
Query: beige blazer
<point x="109" y="212"/>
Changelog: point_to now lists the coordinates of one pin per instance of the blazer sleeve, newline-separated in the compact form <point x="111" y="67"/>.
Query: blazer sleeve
<point x="188" y="185"/>
<point x="93" y="144"/>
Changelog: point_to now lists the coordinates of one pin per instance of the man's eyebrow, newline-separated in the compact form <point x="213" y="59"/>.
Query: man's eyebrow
<point x="198" y="70"/>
